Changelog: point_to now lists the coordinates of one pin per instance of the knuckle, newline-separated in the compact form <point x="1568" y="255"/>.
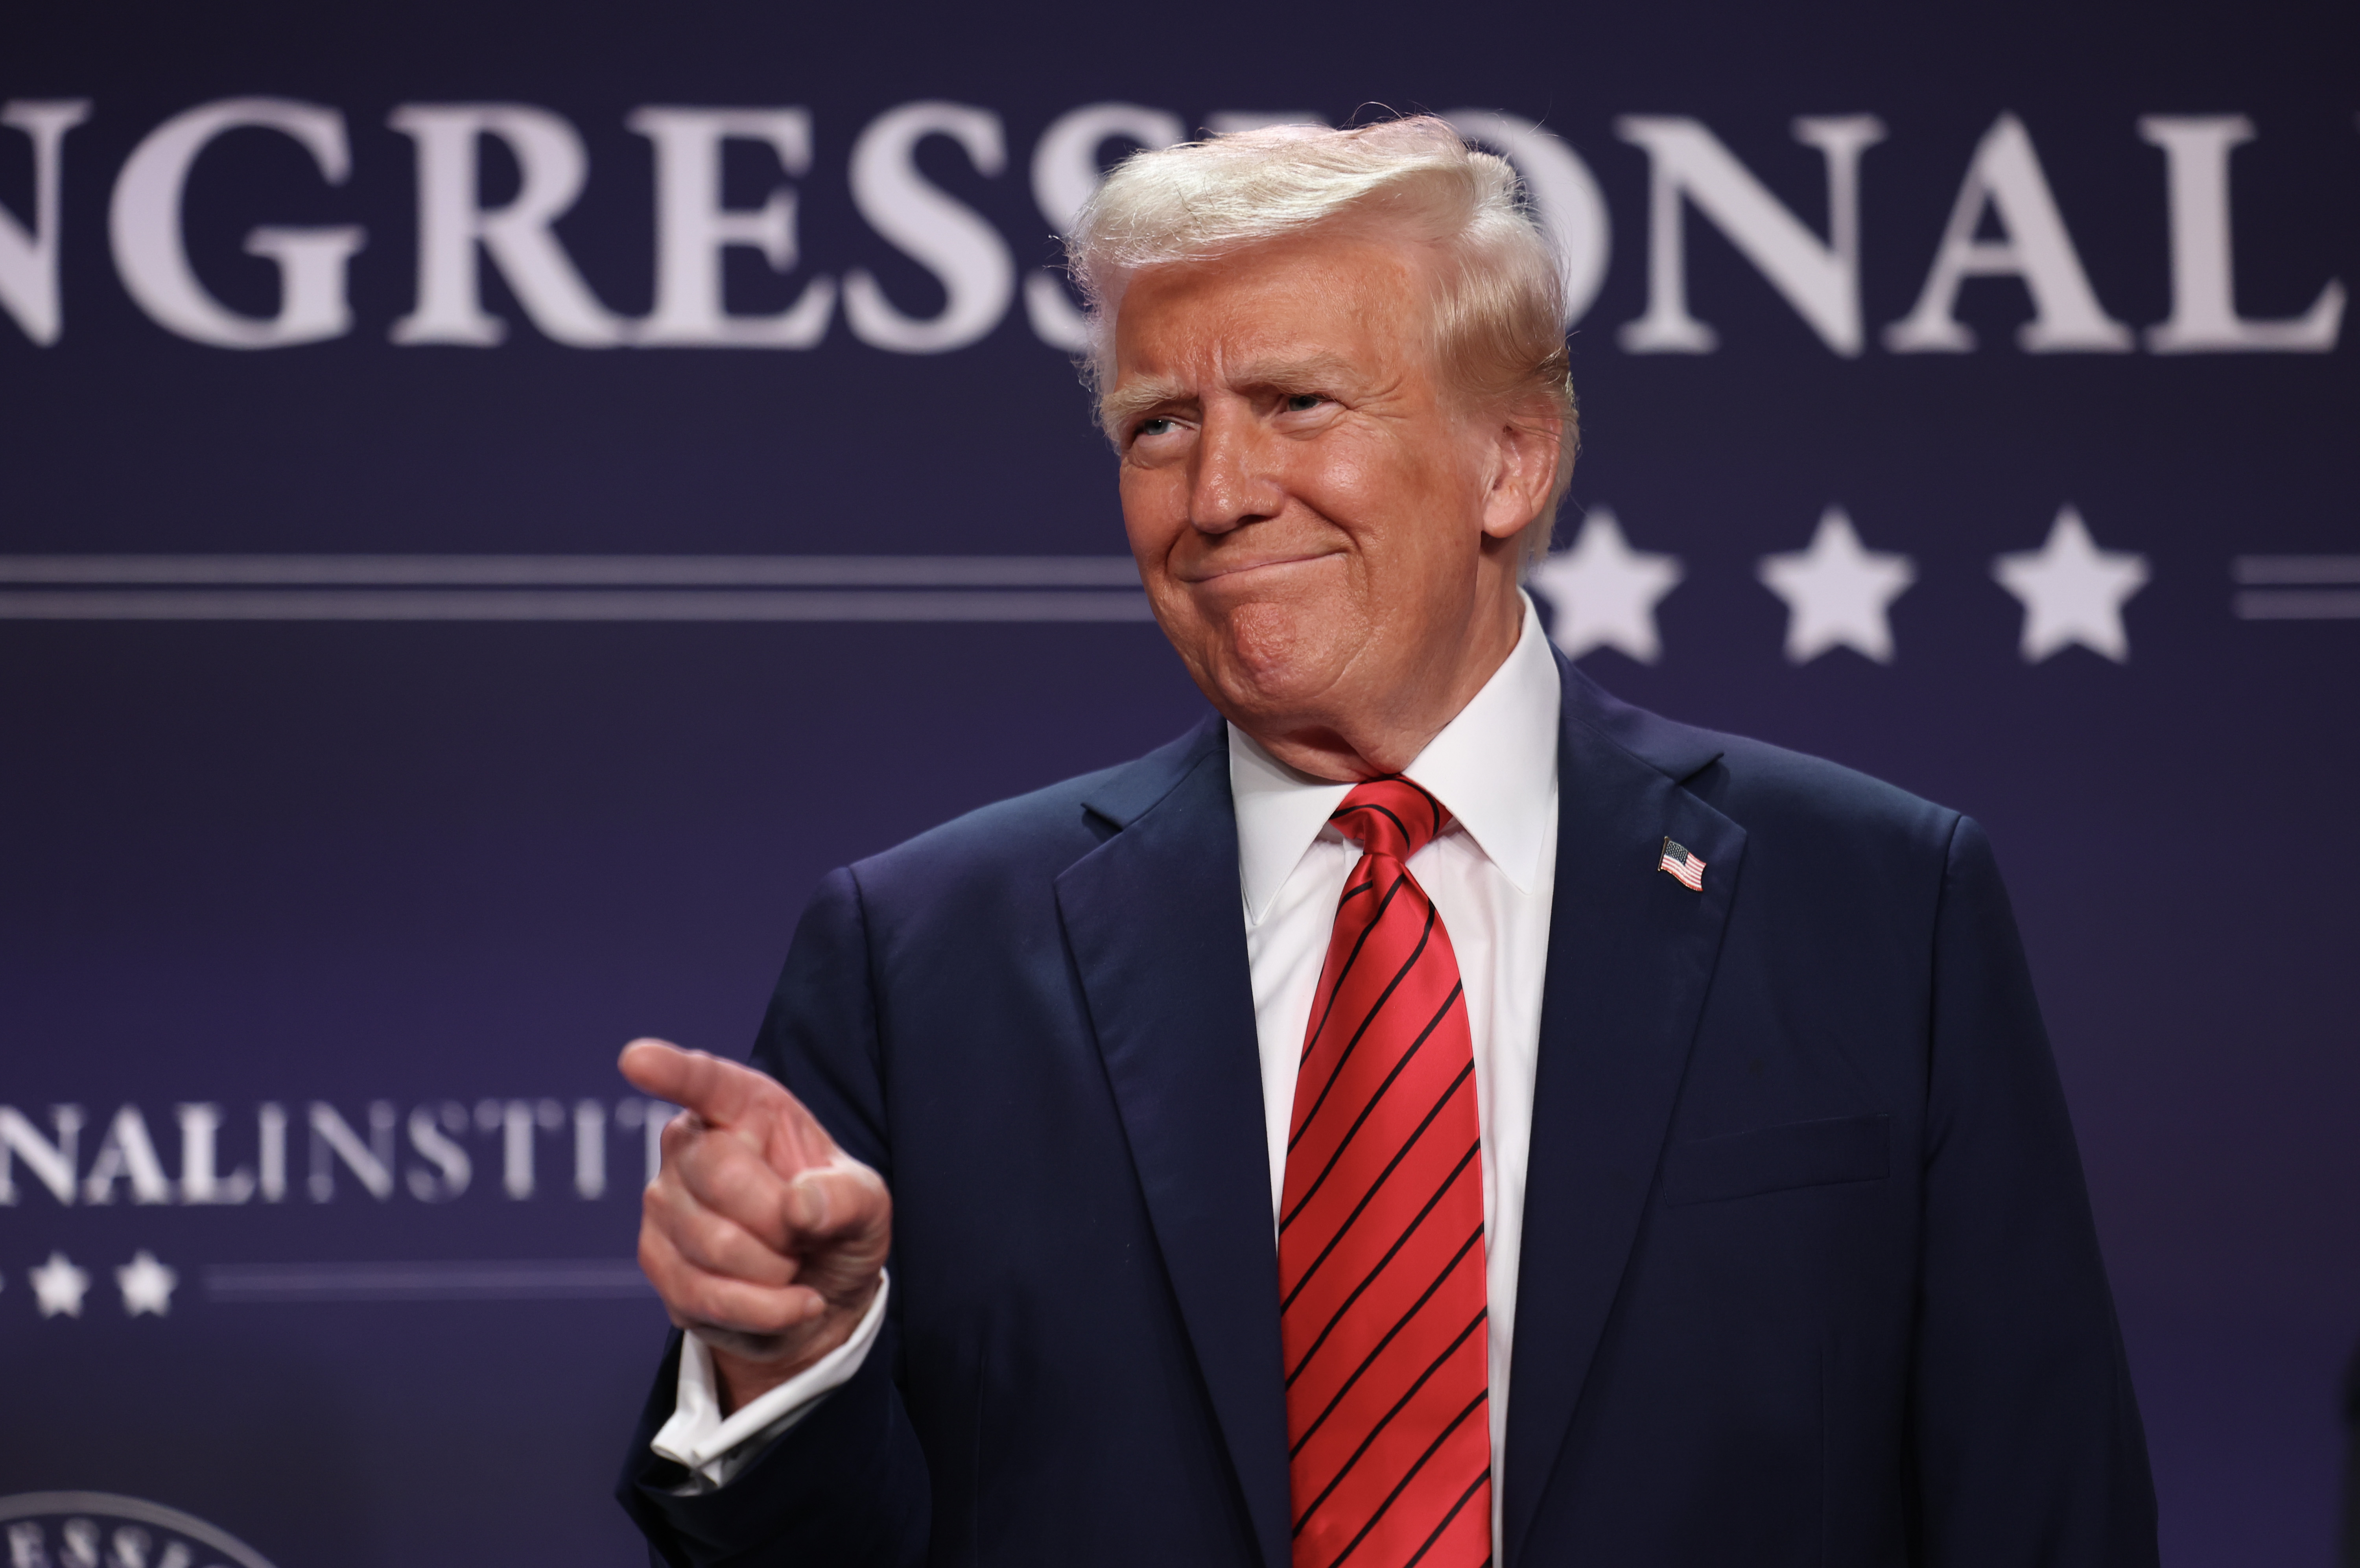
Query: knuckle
<point x="714" y="1242"/>
<point x="665" y="1205"/>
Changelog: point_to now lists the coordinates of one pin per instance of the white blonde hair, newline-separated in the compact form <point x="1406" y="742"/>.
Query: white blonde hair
<point x="1498" y="327"/>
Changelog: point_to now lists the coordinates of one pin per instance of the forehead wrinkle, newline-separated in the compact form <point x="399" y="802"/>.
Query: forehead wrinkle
<point x="1303" y="371"/>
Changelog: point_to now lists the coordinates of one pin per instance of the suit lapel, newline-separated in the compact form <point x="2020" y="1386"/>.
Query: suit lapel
<point x="1630" y="953"/>
<point x="1153" y="919"/>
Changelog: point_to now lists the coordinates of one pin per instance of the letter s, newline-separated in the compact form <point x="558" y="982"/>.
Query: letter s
<point x="949" y="239"/>
<point x="449" y="1159"/>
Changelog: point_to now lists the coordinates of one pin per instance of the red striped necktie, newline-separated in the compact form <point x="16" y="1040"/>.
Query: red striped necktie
<point x="1381" y="1227"/>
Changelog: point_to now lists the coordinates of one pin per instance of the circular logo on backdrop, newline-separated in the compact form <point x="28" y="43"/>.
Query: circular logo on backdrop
<point x="99" y="1530"/>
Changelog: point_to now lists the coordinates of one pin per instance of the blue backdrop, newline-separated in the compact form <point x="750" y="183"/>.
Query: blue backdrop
<point x="482" y="530"/>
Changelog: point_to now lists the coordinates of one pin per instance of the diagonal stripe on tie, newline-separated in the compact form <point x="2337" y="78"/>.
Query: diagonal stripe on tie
<point x="1312" y="1268"/>
<point x="1366" y="1017"/>
<point x="1382" y="1313"/>
<point x="1344" y="1141"/>
<point x="1369" y="1360"/>
<point x="1382" y="1269"/>
<point x="1417" y="1386"/>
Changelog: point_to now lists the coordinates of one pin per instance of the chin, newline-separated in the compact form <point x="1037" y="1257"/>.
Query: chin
<point x="1275" y="657"/>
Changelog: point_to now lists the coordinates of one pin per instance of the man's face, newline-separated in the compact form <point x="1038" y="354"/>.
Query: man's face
<point x="1309" y="508"/>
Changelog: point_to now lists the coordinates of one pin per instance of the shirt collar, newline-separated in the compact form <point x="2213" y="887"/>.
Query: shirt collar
<point x="1494" y="767"/>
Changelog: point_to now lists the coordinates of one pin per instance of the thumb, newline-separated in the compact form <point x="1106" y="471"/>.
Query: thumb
<point x="837" y="1200"/>
<point x="840" y="1229"/>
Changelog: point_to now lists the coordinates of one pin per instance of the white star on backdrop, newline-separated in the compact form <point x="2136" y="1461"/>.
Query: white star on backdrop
<point x="1838" y="592"/>
<point x="59" y="1286"/>
<point x="1605" y="593"/>
<point x="2072" y="591"/>
<point x="146" y="1285"/>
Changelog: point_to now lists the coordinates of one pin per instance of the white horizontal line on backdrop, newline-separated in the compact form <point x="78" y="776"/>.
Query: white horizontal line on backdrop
<point x="2295" y="571"/>
<point x="518" y="1281"/>
<point x="571" y="588"/>
<point x="2297" y="604"/>
<point x="567" y="604"/>
<point x="581" y="571"/>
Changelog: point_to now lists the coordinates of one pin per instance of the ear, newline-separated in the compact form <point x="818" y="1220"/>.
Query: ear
<point x="1525" y="449"/>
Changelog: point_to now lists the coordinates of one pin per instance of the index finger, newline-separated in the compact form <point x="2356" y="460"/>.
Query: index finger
<point x="721" y="1093"/>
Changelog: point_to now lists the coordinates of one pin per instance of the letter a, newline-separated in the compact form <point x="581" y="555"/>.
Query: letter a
<point x="2006" y="177"/>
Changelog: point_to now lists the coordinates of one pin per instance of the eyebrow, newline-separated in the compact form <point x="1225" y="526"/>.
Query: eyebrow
<point x="1125" y="403"/>
<point x="1122" y="405"/>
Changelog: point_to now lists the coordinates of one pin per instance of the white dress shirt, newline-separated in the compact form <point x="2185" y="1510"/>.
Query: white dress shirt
<point x="1490" y="874"/>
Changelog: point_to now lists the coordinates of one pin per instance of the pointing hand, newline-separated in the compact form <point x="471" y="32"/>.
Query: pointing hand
<point x="764" y="1239"/>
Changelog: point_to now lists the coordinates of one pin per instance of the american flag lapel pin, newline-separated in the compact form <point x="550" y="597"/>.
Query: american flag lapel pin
<point x="1683" y="867"/>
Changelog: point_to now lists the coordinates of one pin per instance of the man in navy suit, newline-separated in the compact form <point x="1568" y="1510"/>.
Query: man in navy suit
<point x="1431" y="1112"/>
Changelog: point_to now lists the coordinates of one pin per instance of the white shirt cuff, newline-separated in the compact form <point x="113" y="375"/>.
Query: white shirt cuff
<point x="712" y="1448"/>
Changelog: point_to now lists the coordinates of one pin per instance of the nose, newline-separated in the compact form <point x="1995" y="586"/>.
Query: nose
<point x="1233" y="479"/>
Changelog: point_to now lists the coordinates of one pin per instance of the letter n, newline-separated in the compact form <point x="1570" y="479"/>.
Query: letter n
<point x="52" y="1162"/>
<point x="1819" y="279"/>
<point x="333" y="1139"/>
<point x="28" y="259"/>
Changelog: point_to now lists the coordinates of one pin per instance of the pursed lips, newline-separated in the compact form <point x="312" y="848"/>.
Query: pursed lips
<point x="1226" y="571"/>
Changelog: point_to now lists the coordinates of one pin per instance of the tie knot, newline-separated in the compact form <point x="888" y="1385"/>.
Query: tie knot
<point x="1391" y="816"/>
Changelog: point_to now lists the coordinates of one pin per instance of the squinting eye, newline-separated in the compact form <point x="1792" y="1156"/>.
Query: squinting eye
<point x="1154" y="427"/>
<point x="1303" y="402"/>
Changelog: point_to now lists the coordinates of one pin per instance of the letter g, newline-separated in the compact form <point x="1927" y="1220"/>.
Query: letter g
<point x="153" y="258"/>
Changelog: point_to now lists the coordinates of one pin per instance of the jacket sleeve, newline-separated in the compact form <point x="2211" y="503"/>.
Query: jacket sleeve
<point x="2028" y="1446"/>
<point x="847" y="1484"/>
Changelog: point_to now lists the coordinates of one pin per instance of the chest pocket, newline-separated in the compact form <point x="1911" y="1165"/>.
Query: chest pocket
<point x="1776" y="1159"/>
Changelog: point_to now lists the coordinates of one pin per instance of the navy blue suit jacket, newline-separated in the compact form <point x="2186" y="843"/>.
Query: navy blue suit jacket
<point x="1808" y="1271"/>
